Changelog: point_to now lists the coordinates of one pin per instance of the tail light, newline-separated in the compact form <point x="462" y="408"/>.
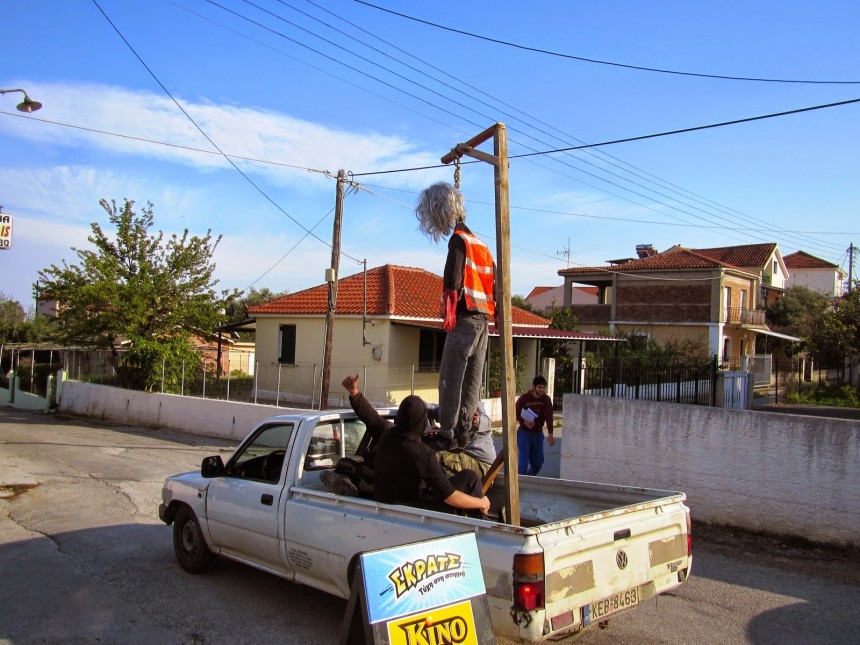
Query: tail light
<point x="689" y="535"/>
<point x="528" y="581"/>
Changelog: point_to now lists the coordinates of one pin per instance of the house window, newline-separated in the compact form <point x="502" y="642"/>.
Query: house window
<point x="287" y="344"/>
<point x="430" y="346"/>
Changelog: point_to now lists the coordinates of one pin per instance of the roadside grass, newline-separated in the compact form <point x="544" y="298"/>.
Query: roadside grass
<point x="845" y="396"/>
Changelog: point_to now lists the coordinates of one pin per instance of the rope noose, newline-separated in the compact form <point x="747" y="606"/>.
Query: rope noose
<point x="457" y="172"/>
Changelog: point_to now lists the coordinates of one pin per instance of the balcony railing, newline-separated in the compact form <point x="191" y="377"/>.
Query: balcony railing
<point x="739" y="316"/>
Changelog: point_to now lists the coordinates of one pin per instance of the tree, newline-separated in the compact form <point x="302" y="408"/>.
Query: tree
<point x="804" y="313"/>
<point x="11" y="311"/>
<point x="523" y="303"/>
<point x="237" y="309"/>
<point x="561" y="350"/>
<point x="139" y="287"/>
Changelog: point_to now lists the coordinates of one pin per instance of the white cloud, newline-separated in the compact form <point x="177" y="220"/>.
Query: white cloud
<point x="240" y="131"/>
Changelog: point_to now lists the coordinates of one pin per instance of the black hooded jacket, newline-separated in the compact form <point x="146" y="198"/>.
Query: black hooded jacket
<point x="405" y="471"/>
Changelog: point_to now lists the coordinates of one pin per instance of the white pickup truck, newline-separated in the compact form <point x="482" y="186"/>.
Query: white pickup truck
<point x="585" y="551"/>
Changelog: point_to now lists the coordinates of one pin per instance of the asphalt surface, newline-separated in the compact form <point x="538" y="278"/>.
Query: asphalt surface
<point x="84" y="559"/>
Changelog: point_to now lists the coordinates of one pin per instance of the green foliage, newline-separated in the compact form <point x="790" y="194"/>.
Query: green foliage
<point x="829" y="329"/>
<point x="843" y="396"/>
<point x="844" y="331"/>
<point x="15" y="327"/>
<point x="800" y="312"/>
<point x="520" y="301"/>
<point x="142" y="365"/>
<point x="237" y="308"/>
<point x="133" y="285"/>
<point x="562" y="351"/>
<point x="494" y="369"/>
<point x="645" y="347"/>
<point x="11" y="311"/>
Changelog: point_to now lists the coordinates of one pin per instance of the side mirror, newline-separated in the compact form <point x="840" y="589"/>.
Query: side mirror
<point x="212" y="467"/>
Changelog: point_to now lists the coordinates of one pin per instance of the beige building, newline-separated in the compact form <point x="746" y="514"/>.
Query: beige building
<point x="693" y="295"/>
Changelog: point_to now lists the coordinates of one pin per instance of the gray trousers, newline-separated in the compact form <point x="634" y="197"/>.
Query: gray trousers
<point x="460" y="374"/>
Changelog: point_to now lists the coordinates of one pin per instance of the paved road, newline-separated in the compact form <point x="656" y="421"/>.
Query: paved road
<point x="83" y="559"/>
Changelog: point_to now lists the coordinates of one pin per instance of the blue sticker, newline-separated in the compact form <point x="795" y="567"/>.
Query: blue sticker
<point x="408" y="579"/>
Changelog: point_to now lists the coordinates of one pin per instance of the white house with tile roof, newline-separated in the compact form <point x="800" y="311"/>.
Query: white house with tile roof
<point x="809" y="271"/>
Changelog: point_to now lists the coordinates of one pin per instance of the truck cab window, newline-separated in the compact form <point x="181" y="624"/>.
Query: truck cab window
<point x="353" y="431"/>
<point x="262" y="458"/>
<point x="325" y="447"/>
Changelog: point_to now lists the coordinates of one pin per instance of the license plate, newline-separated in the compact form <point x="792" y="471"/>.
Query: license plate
<point x="600" y="609"/>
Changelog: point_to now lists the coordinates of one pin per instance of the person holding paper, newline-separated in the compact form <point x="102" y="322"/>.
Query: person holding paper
<point x="534" y="410"/>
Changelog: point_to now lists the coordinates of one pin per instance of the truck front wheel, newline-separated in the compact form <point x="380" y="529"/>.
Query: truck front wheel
<point x="190" y="547"/>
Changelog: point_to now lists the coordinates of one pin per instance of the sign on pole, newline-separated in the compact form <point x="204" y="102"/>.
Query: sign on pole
<point x="5" y="231"/>
<point x="420" y="593"/>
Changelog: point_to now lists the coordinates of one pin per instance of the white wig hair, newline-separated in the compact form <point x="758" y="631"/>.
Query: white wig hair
<point x="440" y="208"/>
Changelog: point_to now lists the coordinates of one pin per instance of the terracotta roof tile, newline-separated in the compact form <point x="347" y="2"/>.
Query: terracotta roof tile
<point x="537" y="291"/>
<point x="391" y="291"/>
<point x="803" y="260"/>
<point x="744" y="255"/>
<point x="673" y="259"/>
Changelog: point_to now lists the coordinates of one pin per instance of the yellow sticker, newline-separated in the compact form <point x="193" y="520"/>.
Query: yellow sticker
<point x="451" y="625"/>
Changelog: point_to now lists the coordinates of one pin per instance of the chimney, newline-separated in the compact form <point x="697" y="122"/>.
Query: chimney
<point x="645" y="251"/>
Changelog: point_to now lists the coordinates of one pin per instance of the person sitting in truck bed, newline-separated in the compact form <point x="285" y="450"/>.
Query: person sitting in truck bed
<point x="405" y="471"/>
<point x="478" y="454"/>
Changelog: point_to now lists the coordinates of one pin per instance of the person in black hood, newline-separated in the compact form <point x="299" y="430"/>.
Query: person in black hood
<point x="405" y="471"/>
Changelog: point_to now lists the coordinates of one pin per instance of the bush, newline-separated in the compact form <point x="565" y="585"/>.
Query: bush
<point x="843" y="397"/>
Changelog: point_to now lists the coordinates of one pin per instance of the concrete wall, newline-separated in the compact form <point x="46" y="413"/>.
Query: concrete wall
<point x="209" y="417"/>
<point x="787" y="474"/>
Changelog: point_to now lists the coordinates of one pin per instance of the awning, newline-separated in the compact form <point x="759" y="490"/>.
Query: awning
<point x="522" y="331"/>
<point x="249" y="324"/>
<point x="776" y="334"/>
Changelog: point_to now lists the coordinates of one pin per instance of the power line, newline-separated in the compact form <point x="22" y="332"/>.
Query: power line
<point x="366" y="187"/>
<point x="693" y="129"/>
<point x="203" y="132"/>
<point x="605" y="62"/>
<point x="162" y="143"/>
<point x="605" y="157"/>
<point x="629" y="139"/>
<point x="638" y="194"/>
<point x="609" y="218"/>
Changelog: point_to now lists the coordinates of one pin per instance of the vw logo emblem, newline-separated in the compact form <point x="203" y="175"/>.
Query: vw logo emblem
<point x="621" y="559"/>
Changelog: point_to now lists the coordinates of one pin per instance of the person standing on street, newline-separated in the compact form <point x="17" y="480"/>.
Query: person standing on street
<point x="534" y="410"/>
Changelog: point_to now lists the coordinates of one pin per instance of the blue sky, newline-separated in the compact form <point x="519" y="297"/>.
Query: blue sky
<point x="261" y="84"/>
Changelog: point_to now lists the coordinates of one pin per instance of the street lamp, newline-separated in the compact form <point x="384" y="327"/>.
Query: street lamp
<point x="28" y="104"/>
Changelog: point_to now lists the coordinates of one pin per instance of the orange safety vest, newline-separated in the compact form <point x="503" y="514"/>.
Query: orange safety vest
<point x="478" y="276"/>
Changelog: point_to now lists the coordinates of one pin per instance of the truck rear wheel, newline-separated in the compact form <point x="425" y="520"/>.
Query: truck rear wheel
<point x="190" y="547"/>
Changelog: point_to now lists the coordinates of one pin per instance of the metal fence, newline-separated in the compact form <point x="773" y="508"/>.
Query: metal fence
<point x="678" y="381"/>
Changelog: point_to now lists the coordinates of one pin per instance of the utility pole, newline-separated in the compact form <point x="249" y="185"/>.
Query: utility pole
<point x="850" y="265"/>
<point x="331" y="278"/>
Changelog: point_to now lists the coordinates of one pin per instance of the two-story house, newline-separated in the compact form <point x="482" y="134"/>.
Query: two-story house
<point x="684" y="294"/>
<point x="815" y="273"/>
